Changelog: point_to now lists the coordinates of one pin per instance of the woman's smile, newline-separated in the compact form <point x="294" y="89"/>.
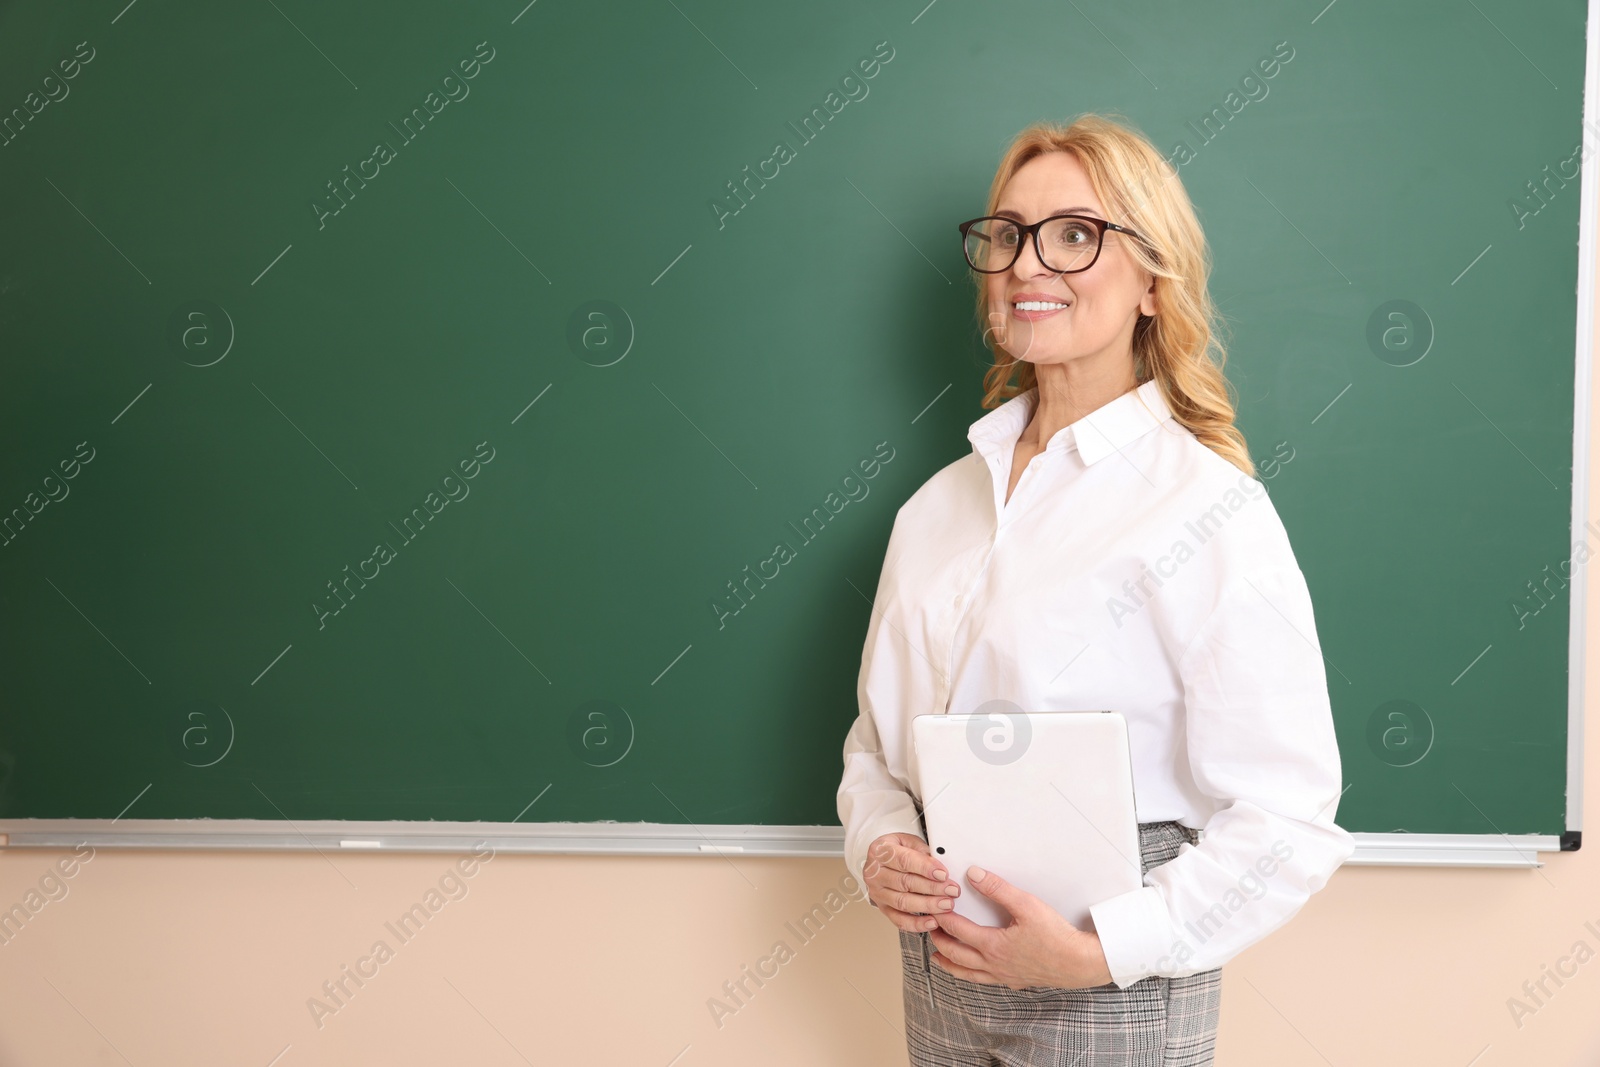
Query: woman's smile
<point x="1031" y="307"/>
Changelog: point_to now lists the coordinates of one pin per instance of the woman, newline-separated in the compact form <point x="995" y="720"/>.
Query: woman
<point x="1105" y="546"/>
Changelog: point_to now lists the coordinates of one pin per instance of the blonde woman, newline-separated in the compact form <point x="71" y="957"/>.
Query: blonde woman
<point x="1106" y="545"/>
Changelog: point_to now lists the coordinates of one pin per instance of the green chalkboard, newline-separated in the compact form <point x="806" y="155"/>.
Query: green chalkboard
<point x="395" y="395"/>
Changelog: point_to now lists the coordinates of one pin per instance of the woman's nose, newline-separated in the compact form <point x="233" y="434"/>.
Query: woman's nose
<point x="1028" y="264"/>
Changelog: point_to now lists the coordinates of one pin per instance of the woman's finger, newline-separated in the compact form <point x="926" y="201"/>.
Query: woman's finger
<point x="958" y="952"/>
<point x="906" y="920"/>
<point x="971" y="974"/>
<point x="901" y="851"/>
<point x="905" y="879"/>
<point x="914" y="903"/>
<point x="931" y="874"/>
<point x="922" y="884"/>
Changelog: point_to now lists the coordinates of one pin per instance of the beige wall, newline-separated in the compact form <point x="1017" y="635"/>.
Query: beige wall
<point x="165" y="959"/>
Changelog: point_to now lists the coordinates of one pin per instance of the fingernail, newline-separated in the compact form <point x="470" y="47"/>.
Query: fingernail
<point x="977" y="874"/>
<point x="952" y="889"/>
<point x="947" y="903"/>
<point x="938" y="876"/>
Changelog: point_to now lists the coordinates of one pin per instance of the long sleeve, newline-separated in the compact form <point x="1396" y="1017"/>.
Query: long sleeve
<point x="872" y="800"/>
<point x="1261" y="743"/>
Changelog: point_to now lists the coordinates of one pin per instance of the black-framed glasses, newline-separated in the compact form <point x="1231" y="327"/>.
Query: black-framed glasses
<point x="1065" y="244"/>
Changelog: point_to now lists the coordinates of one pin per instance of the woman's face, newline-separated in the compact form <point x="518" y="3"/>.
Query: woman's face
<point x="1103" y="302"/>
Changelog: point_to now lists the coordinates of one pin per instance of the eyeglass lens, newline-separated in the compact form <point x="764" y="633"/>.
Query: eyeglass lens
<point x="1067" y="244"/>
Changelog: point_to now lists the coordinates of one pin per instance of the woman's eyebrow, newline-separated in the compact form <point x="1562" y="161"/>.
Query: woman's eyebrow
<point x="1008" y="213"/>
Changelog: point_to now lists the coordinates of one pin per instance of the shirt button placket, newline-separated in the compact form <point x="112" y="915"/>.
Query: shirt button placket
<point x="957" y="603"/>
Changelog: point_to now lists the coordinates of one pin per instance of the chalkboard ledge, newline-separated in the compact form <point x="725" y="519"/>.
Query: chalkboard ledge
<point x="649" y="839"/>
<point x="568" y="838"/>
<point x="1457" y="850"/>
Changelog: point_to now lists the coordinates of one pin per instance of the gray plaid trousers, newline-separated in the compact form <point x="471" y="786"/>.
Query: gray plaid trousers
<point x="1155" y="1022"/>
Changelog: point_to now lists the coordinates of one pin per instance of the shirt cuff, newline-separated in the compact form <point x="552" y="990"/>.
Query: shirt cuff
<point x="1133" y="928"/>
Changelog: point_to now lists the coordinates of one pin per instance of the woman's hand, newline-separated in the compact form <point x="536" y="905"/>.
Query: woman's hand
<point x="906" y="883"/>
<point x="1038" y="948"/>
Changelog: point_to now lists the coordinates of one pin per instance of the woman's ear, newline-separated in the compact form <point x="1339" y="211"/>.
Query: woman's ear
<point x="1147" y="303"/>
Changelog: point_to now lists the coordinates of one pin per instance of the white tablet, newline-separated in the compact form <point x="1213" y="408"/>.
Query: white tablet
<point x="1044" y="799"/>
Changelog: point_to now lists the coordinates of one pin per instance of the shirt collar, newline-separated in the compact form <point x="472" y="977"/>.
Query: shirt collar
<point x="1107" y="429"/>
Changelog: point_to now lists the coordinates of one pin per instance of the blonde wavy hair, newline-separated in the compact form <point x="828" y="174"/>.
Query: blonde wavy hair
<point x="1178" y="346"/>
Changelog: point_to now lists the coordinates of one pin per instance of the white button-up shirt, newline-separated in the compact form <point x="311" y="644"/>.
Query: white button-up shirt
<point x="1133" y="569"/>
